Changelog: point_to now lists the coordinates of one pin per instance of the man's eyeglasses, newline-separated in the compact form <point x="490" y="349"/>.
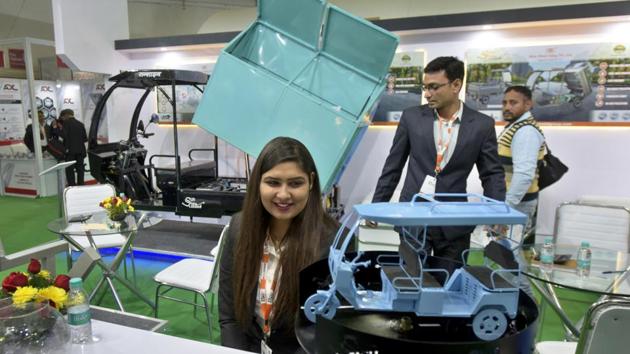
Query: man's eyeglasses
<point x="434" y="87"/>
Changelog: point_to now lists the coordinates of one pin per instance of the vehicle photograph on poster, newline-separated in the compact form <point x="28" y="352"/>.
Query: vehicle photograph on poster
<point x="569" y="83"/>
<point x="404" y="86"/>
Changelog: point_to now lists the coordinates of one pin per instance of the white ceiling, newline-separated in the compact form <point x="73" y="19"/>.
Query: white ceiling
<point x="35" y="10"/>
<point x="212" y="4"/>
<point x="148" y="18"/>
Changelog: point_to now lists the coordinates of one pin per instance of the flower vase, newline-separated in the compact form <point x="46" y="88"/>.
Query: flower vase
<point x="115" y="221"/>
<point x="32" y="328"/>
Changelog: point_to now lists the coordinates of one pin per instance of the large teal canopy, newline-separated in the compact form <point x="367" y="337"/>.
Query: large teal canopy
<point x="304" y="69"/>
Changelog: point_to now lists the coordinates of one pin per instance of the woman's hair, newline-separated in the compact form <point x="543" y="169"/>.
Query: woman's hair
<point x="301" y="243"/>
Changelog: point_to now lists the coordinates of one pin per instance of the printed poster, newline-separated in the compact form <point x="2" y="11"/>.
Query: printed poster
<point x="404" y="87"/>
<point x="569" y="83"/>
<point x="10" y="90"/>
<point x="188" y="98"/>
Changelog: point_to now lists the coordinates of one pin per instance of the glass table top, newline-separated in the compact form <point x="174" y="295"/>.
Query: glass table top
<point x="609" y="273"/>
<point x="100" y="224"/>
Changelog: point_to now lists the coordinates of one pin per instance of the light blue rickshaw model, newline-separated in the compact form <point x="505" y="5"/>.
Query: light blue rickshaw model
<point x="487" y="294"/>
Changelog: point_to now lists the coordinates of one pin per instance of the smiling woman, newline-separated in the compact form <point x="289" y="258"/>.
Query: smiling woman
<point x="282" y="229"/>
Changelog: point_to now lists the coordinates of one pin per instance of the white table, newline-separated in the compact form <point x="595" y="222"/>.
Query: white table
<point x="116" y="339"/>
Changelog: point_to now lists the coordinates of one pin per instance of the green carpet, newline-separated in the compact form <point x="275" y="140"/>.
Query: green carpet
<point x="23" y="225"/>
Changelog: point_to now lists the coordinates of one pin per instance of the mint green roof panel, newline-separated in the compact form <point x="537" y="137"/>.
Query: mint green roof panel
<point x="358" y="36"/>
<point x="281" y="78"/>
<point x="299" y="18"/>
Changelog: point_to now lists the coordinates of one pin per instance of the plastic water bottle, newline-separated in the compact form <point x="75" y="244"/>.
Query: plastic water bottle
<point x="79" y="319"/>
<point x="584" y="260"/>
<point x="547" y="253"/>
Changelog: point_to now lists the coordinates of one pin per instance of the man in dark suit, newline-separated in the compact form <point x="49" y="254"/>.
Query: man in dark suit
<point x="74" y="139"/>
<point x="443" y="140"/>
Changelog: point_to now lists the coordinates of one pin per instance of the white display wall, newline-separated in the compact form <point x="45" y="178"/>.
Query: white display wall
<point x="17" y="165"/>
<point x="595" y="155"/>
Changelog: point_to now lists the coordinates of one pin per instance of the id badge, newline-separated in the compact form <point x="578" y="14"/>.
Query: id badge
<point x="264" y="348"/>
<point x="428" y="186"/>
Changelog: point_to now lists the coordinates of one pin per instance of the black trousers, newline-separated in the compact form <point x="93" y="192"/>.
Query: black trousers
<point x="447" y="253"/>
<point x="78" y="167"/>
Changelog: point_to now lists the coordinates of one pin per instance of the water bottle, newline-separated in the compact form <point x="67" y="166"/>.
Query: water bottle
<point x="79" y="319"/>
<point x="584" y="259"/>
<point x="547" y="253"/>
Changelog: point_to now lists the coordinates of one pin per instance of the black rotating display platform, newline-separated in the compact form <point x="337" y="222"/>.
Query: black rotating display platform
<point x="373" y="332"/>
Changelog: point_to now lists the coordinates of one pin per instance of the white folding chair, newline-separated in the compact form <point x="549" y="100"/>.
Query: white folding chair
<point x="604" y="331"/>
<point x="191" y="274"/>
<point x="602" y="225"/>
<point x="81" y="200"/>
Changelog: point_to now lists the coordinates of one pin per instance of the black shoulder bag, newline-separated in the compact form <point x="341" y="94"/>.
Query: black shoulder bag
<point x="550" y="169"/>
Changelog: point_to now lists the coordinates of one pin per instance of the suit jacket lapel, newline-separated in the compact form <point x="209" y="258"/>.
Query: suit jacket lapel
<point x="462" y="135"/>
<point x="426" y="129"/>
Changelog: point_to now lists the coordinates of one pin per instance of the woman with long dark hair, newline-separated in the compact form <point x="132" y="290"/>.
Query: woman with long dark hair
<point x="282" y="229"/>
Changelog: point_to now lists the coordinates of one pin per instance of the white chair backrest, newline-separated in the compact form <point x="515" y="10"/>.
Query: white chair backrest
<point x="603" y="226"/>
<point x="79" y="200"/>
<point x="214" y="281"/>
<point x="605" y="200"/>
<point x="605" y="328"/>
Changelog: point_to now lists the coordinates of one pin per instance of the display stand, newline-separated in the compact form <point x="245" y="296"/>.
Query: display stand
<point x="380" y="332"/>
<point x="61" y="180"/>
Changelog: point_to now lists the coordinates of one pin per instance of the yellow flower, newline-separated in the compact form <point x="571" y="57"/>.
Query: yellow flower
<point x="54" y="294"/>
<point x="131" y="208"/>
<point x="24" y="294"/>
<point x="44" y="274"/>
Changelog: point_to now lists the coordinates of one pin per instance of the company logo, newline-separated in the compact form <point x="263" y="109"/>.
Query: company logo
<point x="406" y="58"/>
<point x="100" y="87"/>
<point x="150" y="74"/>
<point x="191" y="202"/>
<point x="9" y="87"/>
<point x="46" y="89"/>
<point x="68" y="100"/>
<point x="619" y="49"/>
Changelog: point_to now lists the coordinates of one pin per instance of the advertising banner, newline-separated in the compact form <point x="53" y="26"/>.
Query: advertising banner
<point x="69" y="97"/>
<point x="11" y="122"/>
<point x="18" y="177"/>
<point x="10" y="90"/>
<point x="46" y="99"/>
<point x="569" y="83"/>
<point x="16" y="58"/>
<point x="187" y="100"/>
<point x="404" y="87"/>
<point x="91" y="93"/>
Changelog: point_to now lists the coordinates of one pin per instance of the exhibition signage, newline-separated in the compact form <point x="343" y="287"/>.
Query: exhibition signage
<point x="16" y="58"/>
<point x="569" y="83"/>
<point x="404" y="87"/>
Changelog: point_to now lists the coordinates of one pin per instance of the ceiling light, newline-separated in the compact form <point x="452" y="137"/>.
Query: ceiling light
<point x="486" y="27"/>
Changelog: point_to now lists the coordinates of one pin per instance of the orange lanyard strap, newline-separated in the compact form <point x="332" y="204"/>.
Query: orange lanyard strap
<point x="266" y="296"/>
<point x="442" y="146"/>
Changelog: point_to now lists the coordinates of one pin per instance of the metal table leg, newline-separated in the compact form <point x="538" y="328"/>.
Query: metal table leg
<point x="549" y="295"/>
<point x="109" y="271"/>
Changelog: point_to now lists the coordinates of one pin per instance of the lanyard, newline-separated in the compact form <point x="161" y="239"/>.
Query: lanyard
<point x="265" y="293"/>
<point x="442" y="146"/>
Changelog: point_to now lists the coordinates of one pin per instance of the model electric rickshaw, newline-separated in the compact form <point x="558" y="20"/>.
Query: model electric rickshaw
<point x="486" y="294"/>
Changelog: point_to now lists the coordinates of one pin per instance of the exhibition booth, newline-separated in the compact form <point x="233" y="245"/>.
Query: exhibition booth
<point x="176" y="124"/>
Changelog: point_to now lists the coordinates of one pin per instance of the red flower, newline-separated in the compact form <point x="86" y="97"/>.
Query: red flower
<point x="62" y="281"/>
<point x="34" y="267"/>
<point x="13" y="281"/>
